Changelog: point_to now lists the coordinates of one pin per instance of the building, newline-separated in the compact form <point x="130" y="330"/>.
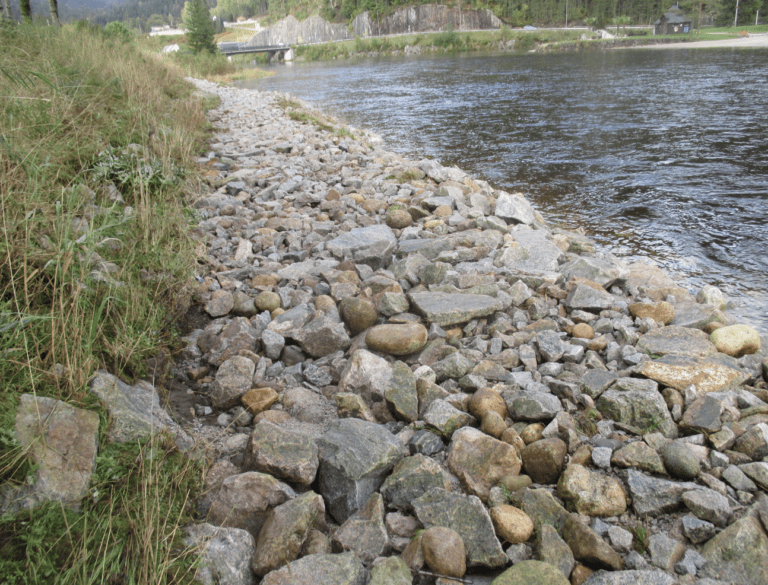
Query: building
<point x="673" y="22"/>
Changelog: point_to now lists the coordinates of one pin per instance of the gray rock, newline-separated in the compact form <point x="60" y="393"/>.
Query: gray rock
<point x="588" y="299"/>
<point x="754" y="442"/>
<point x="643" y="409"/>
<point x="446" y="418"/>
<point x="412" y="477"/>
<point x="553" y="550"/>
<point x="291" y="321"/>
<point x="288" y="456"/>
<point x="233" y="380"/>
<point x="665" y="551"/>
<point x="654" y="496"/>
<point x="467" y="516"/>
<point x="322" y="336"/>
<point x="391" y="571"/>
<point x="680" y="341"/>
<point x="757" y="472"/>
<point x="738" y="480"/>
<point x="738" y="553"/>
<point x="639" y="577"/>
<point x="514" y="208"/>
<point x="680" y="461"/>
<point x="364" y="532"/>
<point x="355" y="458"/>
<point x="603" y="270"/>
<point x="451" y="309"/>
<point x="696" y="530"/>
<point x="534" y="254"/>
<point x="595" y="382"/>
<point x="236" y="336"/>
<point x="366" y="374"/>
<point x="533" y="406"/>
<point x="225" y="554"/>
<point x="273" y="344"/>
<point x="454" y="366"/>
<point x="708" y="505"/>
<point x="690" y="564"/>
<point x="372" y="245"/>
<point x="550" y="346"/>
<point x="339" y="569"/>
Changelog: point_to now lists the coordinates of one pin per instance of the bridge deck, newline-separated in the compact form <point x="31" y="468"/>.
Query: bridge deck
<point x="242" y="48"/>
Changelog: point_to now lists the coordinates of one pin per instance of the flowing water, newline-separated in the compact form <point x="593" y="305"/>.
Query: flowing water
<point x="657" y="154"/>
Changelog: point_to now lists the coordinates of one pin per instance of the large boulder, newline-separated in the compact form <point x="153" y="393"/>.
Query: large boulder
<point x="288" y="456"/>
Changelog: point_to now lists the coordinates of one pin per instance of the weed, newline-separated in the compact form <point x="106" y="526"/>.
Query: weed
<point x="640" y="538"/>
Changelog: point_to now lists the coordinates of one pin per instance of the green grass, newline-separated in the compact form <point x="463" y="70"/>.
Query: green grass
<point x="96" y="142"/>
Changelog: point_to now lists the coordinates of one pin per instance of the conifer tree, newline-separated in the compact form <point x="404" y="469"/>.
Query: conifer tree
<point x="199" y="26"/>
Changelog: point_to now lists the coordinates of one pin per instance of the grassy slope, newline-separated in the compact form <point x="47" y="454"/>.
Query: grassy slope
<point x="89" y="280"/>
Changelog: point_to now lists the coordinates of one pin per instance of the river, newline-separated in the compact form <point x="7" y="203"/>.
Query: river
<point x="657" y="154"/>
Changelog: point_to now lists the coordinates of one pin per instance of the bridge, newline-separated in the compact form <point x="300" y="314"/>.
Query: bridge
<point x="282" y="52"/>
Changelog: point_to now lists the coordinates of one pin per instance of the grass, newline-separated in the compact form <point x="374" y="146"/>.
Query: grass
<point x="298" y="113"/>
<point x="97" y="139"/>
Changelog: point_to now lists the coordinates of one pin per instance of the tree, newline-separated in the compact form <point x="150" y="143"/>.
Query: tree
<point x="199" y="26"/>
<point x="53" y="5"/>
<point x="26" y="10"/>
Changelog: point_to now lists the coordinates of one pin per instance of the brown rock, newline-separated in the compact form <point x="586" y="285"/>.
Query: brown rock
<point x="543" y="460"/>
<point x="736" y="340"/>
<point x="258" y="400"/>
<point x="583" y="331"/>
<point x="532" y="433"/>
<point x="591" y="493"/>
<point x="493" y="425"/>
<point x="444" y="551"/>
<point x="398" y="218"/>
<point x="358" y="314"/>
<point x="511" y="436"/>
<point x="661" y="312"/>
<point x="325" y="303"/>
<point x="512" y="524"/>
<point x="588" y="547"/>
<point x="484" y="400"/>
<point x="267" y="301"/>
<point x="397" y="339"/>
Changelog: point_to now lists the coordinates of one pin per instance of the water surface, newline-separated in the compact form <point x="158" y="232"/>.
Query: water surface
<point x="657" y="154"/>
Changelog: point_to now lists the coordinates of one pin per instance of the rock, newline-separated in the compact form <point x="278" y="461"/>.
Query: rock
<point x="588" y="547"/>
<point x="367" y="375"/>
<point x="480" y="461"/>
<point x="514" y="207"/>
<point x="639" y="455"/>
<point x="738" y="553"/>
<point x="273" y="344"/>
<point x="62" y="442"/>
<point x="220" y="304"/>
<point x="245" y="500"/>
<point x="603" y="270"/>
<point x="339" y="569"/>
<point x="583" y="331"/>
<point x="397" y="339"/>
<point x="531" y="573"/>
<point x="364" y="532"/>
<point x="512" y="524"/>
<point x="237" y="336"/>
<point x="703" y="415"/>
<point x="288" y="456"/>
<point x="267" y="301"/>
<point x="350" y="405"/>
<point x="595" y="382"/>
<point x="641" y="408"/>
<point x="412" y="477"/>
<point x="586" y="298"/>
<point x="284" y="532"/>
<point x="541" y="506"/>
<point x="694" y="315"/>
<point x="391" y="571"/>
<point x="591" y="493"/>
<point x="754" y="442"/>
<point x="696" y="530"/>
<point x="358" y="314"/>
<point x="676" y="340"/>
<point x="225" y="554"/>
<point x="453" y="366"/>
<point x="401" y="396"/>
<point x="446" y="418"/>
<point x="467" y="516"/>
<point x="451" y="309"/>
<point x="543" y="460"/>
<point x="372" y="245"/>
<point x="233" y="380"/>
<point x="708" y="505"/>
<point x="322" y="336"/>
<point x="552" y="549"/>
<point x="680" y="461"/>
<point x="533" y="406"/>
<point x="654" y="496"/>
<point x="637" y="577"/>
<point x="665" y="552"/>
<point x="757" y="472"/>
<point x="355" y="458"/>
<point x="398" y="219"/>
<point x="259" y="400"/>
<point x="550" y="346"/>
<point x="680" y="372"/>
<point x="444" y="551"/>
<point x="661" y="312"/>
<point x="134" y="411"/>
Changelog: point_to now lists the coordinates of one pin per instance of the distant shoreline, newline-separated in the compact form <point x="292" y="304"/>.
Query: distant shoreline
<point x="753" y="41"/>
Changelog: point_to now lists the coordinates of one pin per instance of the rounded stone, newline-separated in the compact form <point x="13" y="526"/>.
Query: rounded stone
<point x="398" y="218"/>
<point x="325" y="303"/>
<point x="444" y="551"/>
<point x="736" y="340"/>
<point x="443" y="210"/>
<point x="583" y="331"/>
<point x="397" y="339"/>
<point x="512" y="483"/>
<point x="258" y="400"/>
<point x="484" y="400"/>
<point x="532" y="433"/>
<point x="267" y="301"/>
<point x="512" y="437"/>
<point x="543" y="460"/>
<point x="492" y="424"/>
<point x="221" y="303"/>
<point x="358" y="314"/>
<point x="680" y="461"/>
<point x="512" y="524"/>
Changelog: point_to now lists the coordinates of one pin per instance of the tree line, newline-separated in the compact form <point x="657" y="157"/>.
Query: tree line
<point x="140" y="15"/>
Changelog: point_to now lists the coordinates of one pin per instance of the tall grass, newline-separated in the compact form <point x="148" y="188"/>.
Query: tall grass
<point x="96" y="144"/>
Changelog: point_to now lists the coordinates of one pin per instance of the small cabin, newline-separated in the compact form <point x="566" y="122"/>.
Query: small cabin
<point x="673" y="22"/>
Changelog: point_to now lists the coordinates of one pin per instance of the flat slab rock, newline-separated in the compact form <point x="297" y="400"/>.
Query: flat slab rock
<point x="451" y="309"/>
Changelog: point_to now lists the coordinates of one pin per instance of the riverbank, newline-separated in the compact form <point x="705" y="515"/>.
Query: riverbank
<point x="423" y="359"/>
<point x="752" y="41"/>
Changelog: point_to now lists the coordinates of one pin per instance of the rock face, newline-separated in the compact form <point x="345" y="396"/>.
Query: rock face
<point x="386" y="345"/>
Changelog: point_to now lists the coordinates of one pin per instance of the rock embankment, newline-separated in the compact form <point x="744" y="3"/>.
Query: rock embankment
<point x="410" y="378"/>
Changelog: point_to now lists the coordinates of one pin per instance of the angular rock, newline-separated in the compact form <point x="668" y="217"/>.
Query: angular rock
<point x="233" y="380"/>
<point x="552" y="549"/>
<point x="355" y="457"/>
<point x="591" y="493"/>
<point x="480" y="461"/>
<point x="661" y="312"/>
<point x="532" y="406"/>
<point x="588" y="547"/>
<point x="372" y="245"/>
<point x="339" y="569"/>
<point x="366" y="374"/>
<point x="237" y="335"/>
<point x="654" y="496"/>
<point x="642" y="409"/>
<point x="364" y="532"/>
<point x="665" y="552"/>
<point x="467" y="516"/>
<point x="446" y="418"/>
<point x="391" y="571"/>
<point x="451" y="309"/>
<point x="676" y="340"/>
<point x="322" y="336"/>
<point x="636" y="577"/>
<point x="738" y="553"/>
<point x="708" y="505"/>
<point x="225" y="554"/>
<point x="680" y="372"/>
<point x="515" y="208"/>
<point x="532" y="573"/>
<point x="412" y="477"/>
<point x="288" y="456"/>
<point x="401" y="396"/>
<point x="639" y="455"/>
<point x="586" y="298"/>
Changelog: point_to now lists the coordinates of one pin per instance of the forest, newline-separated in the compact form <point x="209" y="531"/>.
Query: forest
<point x="140" y="15"/>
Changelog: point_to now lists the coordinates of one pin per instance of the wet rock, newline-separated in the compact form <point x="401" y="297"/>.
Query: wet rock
<point x="355" y="458"/>
<point x="288" y="456"/>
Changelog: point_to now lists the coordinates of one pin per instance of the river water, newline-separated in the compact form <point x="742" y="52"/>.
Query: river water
<point x="657" y="154"/>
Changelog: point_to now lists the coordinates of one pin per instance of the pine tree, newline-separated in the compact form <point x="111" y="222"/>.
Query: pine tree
<point x="199" y="26"/>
